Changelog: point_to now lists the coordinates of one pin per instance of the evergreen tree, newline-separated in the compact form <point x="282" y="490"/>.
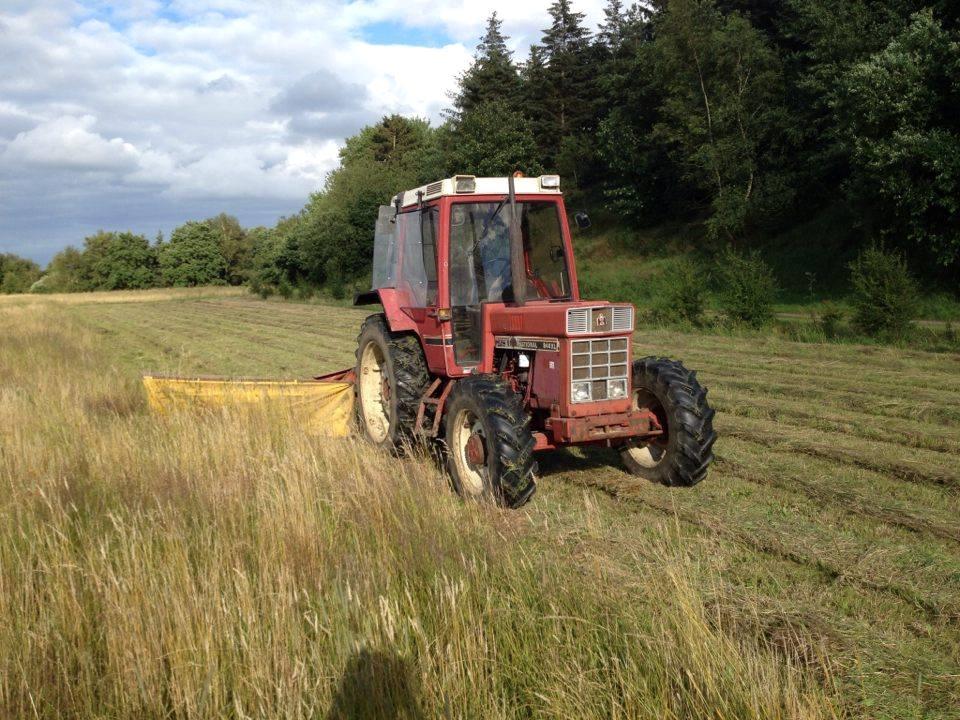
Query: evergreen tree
<point x="613" y="28"/>
<point x="392" y="138"/>
<point x="560" y="85"/>
<point x="567" y="47"/>
<point x="492" y="77"/>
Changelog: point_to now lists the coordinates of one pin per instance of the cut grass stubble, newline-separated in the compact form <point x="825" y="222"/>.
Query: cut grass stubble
<point x="226" y="565"/>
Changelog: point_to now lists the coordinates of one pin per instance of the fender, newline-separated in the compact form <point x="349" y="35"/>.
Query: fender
<point x="390" y="299"/>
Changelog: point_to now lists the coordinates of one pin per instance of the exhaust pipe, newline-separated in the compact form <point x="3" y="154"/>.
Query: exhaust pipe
<point x="518" y="265"/>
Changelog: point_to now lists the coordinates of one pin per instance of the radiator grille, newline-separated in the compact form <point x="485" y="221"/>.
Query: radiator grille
<point x="601" y="363"/>
<point x="581" y="321"/>
<point x="578" y="321"/>
<point x="622" y="319"/>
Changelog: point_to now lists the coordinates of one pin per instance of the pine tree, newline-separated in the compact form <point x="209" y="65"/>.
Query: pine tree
<point x="570" y="93"/>
<point x="612" y="29"/>
<point x="493" y="75"/>
<point x="393" y="137"/>
<point x="535" y="86"/>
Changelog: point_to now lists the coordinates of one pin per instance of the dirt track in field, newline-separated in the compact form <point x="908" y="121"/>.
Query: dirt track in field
<point x="835" y="496"/>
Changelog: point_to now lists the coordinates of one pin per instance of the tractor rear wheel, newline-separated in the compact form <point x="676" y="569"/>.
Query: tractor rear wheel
<point x="489" y="443"/>
<point x="392" y="376"/>
<point x="681" y="456"/>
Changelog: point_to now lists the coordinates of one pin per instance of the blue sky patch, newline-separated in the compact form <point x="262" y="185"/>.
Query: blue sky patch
<point x="394" y="33"/>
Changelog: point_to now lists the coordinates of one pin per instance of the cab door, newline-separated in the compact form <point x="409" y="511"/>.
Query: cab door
<point x="466" y="282"/>
<point x="418" y="278"/>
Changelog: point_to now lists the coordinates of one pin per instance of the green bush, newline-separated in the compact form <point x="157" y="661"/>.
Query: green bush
<point x="685" y="297"/>
<point x="885" y="297"/>
<point x="17" y="274"/>
<point x="747" y="288"/>
<point x="829" y="319"/>
<point x="305" y="291"/>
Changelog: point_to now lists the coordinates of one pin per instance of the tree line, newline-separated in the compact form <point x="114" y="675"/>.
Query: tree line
<point x="217" y="251"/>
<point x="743" y="117"/>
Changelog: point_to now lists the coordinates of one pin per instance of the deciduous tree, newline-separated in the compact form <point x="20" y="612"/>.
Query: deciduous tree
<point x="192" y="257"/>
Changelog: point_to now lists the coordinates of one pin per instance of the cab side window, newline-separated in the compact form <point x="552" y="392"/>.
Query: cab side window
<point x="418" y="232"/>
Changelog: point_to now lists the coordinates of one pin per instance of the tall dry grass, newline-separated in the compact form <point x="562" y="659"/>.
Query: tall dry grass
<point x="229" y="566"/>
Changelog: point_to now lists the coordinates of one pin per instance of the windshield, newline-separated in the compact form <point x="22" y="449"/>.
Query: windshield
<point x="480" y="252"/>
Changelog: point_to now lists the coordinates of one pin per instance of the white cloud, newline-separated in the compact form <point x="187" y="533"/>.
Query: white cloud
<point x="156" y="109"/>
<point x="68" y="142"/>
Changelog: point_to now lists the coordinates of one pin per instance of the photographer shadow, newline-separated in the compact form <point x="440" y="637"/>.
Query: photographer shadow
<point x="377" y="685"/>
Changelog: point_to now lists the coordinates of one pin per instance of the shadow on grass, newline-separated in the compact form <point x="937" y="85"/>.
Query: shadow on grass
<point x="377" y="685"/>
<point x="556" y="462"/>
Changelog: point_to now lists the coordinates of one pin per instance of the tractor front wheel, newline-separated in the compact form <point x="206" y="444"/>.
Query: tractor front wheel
<point x="391" y="378"/>
<point x="681" y="456"/>
<point x="489" y="443"/>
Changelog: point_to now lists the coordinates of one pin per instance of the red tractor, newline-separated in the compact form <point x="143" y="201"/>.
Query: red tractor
<point x="485" y="345"/>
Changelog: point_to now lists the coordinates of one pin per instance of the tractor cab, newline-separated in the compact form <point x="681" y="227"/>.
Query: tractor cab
<point x="446" y="251"/>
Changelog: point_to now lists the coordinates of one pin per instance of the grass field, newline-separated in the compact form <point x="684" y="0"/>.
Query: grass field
<point x="228" y="566"/>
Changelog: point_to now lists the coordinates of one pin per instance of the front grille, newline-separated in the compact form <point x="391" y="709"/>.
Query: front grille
<point x="601" y="363"/>
<point x="610" y="319"/>
<point x="578" y="321"/>
<point x="622" y="319"/>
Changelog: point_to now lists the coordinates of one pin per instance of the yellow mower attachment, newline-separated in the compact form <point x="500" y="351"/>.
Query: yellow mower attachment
<point x="324" y="405"/>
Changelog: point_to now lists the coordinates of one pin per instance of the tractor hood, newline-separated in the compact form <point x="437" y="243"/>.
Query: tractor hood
<point x="563" y="319"/>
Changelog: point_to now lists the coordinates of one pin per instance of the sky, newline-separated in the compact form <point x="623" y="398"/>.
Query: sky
<point x="144" y="114"/>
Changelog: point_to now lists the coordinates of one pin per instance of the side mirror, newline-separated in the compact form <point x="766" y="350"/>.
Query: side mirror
<point x="582" y="220"/>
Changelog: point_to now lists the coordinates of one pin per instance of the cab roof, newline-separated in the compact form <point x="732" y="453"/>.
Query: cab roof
<point x="466" y="185"/>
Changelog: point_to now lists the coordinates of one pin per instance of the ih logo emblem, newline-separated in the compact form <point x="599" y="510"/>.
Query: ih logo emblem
<point x="600" y="320"/>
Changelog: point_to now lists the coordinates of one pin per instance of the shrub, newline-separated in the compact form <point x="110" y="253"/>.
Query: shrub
<point x="885" y="297"/>
<point x="829" y="319"/>
<point x="747" y="288"/>
<point x="686" y="296"/>
<point x="285" y="289"/>
<point x="334" y="274"/>
<point x="305" y="290"/>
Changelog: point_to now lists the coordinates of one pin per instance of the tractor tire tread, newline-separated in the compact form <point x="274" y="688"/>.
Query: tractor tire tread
<point x="510" y="423"/>
<point x="690" y="420"/>
<point x="412" y="377"/>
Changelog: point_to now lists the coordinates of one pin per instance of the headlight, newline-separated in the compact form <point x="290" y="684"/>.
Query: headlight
<point x="617" y="389"/>
<point x="580" y="392"/>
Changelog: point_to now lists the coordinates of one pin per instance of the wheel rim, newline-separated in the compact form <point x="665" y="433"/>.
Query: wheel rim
<point x="470" y="453"/>
<point x="374" y="391"/>
<point x="651" y="454"/>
